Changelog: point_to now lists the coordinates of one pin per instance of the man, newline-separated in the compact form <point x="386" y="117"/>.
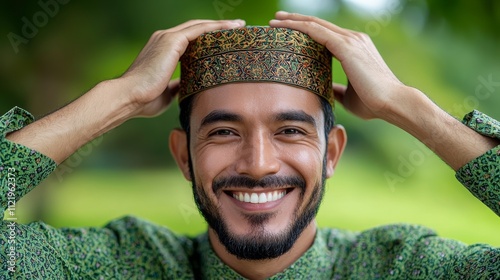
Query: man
<point x="257" y="155"/>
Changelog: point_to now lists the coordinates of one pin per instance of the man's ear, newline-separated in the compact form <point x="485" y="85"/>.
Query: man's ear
<point x="337" y="139"/>
<point x="179" y="148"/>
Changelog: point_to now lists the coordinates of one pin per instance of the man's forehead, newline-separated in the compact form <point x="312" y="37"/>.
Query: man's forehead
<point x="256" y="100"/>
<point x="256" y="54"/>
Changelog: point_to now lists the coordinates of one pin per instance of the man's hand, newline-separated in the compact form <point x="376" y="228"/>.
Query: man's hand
<point x="144" y="89"/>
<point x="150" y="73"/>
<point x="375" y="92"/>
<point x="372" y="88"/>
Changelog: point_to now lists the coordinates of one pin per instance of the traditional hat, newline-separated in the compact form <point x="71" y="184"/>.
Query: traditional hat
<point x="256" y="54"/>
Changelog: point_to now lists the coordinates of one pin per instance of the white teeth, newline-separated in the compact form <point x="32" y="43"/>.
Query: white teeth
<point x="262" y="198"/>
<point x="254" y="198"/>
<point x="259" y="197"/>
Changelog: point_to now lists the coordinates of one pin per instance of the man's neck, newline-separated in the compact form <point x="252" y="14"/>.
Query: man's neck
<point x="262" y="269"/>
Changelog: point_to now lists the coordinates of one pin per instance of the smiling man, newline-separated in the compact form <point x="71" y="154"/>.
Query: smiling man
<point x="258" y="155"/>
<point x="257" y="142"/>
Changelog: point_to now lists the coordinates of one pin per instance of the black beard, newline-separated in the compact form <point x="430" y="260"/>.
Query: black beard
<point x="259" y="245"/>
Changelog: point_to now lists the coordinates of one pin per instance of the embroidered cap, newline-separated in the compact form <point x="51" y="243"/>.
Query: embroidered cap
<point x="256" y="54"/>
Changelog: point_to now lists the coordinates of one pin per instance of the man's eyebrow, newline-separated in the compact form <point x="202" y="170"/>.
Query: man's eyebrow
<point x="298" y="115"/>
<point x="220" y="116"/>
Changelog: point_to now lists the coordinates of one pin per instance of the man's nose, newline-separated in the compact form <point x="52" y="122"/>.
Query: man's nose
<point x="258" y="157"/>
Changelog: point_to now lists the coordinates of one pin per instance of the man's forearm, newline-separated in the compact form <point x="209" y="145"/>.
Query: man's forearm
<point x="61" y="133"/>
<point x="451" y="140"/>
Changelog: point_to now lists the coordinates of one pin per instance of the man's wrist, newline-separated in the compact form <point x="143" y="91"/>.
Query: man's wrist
<point x="415" y="113"/>
<point x="408" y="103"/>
<point x="452" y="141"/>
<point x="132" y="96"/>
<point x="116" y="101"/>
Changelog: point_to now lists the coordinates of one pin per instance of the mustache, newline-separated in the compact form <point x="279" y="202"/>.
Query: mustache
<point x="272" y="181"/>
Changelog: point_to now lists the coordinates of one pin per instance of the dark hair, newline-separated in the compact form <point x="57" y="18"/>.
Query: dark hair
<point x="186" y="107"/>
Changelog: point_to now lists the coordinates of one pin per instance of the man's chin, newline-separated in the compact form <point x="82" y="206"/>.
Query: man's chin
<point x="257" y="245"/>
<point x="259" y="236"/>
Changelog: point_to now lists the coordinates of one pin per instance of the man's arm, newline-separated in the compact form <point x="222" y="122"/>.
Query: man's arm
<point x="450" y="139"/>
<point x="375" y="92"/>
<point x="61" y="133"/>
<point x="144" y="90"/>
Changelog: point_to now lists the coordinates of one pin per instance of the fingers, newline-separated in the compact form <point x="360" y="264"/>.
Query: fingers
<point x="193" y="31"/>
<point x="329" y="35"/>
<point x="193" y="28"/>
<point x="205" y="21"/>
<point x="340" y="41"/>
<point x="180" y="39"/>
<point x="187" y="24"/>
<point x="281" y="15"/>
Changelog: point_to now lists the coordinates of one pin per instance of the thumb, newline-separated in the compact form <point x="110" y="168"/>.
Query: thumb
<point x="171" y="91"/>
<point x="339" y="92"/>
<point x="173" y="87"/>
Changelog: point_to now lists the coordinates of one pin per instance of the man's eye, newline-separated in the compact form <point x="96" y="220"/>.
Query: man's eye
<point x="291" y="131"/>
<point x="223" y="132"/>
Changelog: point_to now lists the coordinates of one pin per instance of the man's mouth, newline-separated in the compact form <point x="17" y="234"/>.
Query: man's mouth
<point x="259" y="197"/>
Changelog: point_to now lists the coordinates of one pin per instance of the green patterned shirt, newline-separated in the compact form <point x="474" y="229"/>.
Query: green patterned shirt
<point x="131" y="248"/>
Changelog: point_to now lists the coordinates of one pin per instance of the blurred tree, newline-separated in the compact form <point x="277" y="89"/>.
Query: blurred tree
<point x="465" y="17"/>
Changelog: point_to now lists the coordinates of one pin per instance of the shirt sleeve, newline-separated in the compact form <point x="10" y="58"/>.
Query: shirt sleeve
<point x="21" y="168"/>
<point x="481" y="176"/>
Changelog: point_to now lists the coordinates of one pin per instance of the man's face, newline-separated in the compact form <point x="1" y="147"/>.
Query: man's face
<point x="257" y="164"/>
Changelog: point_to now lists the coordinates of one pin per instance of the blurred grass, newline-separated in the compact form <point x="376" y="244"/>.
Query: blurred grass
<point x="358" y="197"/>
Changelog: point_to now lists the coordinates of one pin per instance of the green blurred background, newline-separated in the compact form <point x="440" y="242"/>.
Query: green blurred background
<point x="52" y="52"/>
